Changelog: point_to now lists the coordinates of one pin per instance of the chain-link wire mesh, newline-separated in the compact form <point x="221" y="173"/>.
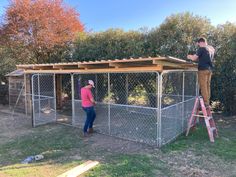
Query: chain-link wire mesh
<point x="17" y="94"/>
<point x="100" y="93"/>
<point x="124" y="102"/>
<point x="127" y="103"/>
<point x="178" y="95"/>
<point x="64" y="98"/>
<point x="190" y="85"/>
<point x="43" y="98"/>
<point x="134" y="123"/>
<point x="172" y="88"/>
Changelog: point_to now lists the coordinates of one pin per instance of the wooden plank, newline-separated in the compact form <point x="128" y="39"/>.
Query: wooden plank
<point x="92" y="66"/>
<point x="75" y="172"/>
<point x="59" y="91"/>
<point x="107" y="65"/>
<point x="170" y="58"/>
<point x="42" y="67"/>
<point x="65" y="66"/>
<point x="166" y="63"/>
<point x="130" y="69"/>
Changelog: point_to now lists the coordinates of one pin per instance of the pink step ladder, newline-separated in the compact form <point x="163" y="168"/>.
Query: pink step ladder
<point x="207" y="115"/>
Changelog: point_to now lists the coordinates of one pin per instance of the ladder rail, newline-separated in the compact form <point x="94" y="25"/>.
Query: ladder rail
<point x="208" y="118"/>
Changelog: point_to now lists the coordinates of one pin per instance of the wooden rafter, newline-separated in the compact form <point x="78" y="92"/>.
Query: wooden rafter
<point x="117" y="65"/>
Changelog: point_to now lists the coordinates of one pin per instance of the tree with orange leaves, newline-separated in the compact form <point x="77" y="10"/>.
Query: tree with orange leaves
<point x="39" y="30"/>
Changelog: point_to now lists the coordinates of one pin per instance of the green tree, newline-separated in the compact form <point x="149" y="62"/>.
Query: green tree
<point x="111" y="44"/>
<point x="36" y="31"/>
<point x="224" y="78"/>
<point x="176" y="35"/>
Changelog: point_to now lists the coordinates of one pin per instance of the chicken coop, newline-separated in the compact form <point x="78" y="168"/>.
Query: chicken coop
<point x="147" y="100"/>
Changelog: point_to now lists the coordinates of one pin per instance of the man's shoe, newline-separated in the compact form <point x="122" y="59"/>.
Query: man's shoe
<point x="90" y="130"/>
<point x="85" y="134"/>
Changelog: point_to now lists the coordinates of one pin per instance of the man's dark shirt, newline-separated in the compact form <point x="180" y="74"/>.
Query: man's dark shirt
<point x="204" y="59"/>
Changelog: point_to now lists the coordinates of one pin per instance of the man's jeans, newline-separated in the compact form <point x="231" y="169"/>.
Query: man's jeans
<point x="204" y="79"/>
<point x="91" y="115"/>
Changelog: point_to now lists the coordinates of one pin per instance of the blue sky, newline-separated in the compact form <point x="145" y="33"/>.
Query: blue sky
<point x="101" y="15"/>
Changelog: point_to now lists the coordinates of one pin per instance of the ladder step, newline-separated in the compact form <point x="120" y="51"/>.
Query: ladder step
<point x="199" y="110"/>
<point x="213" y="128"/>
<point x="199" y="115"/>
<point x="209" y="117"/>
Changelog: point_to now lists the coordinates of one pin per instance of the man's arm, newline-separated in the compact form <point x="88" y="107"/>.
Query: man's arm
<point x="192" y="57"/>
<point x="91" y="98"/>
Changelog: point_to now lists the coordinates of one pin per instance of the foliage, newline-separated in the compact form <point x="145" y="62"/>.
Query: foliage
<point x="111" y="44"/>
<point x="176" y="37"/>
<point x="177" y="34"/>
<point x="224" y="80"/>
<point x="33" y="33"/>
<point x="37" y="31"/>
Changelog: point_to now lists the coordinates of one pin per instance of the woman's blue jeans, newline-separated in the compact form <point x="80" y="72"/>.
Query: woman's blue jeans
<point x="91" y="115"/>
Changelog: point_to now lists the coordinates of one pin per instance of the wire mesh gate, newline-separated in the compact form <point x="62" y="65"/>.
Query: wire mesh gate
<point x="43" y="99"/>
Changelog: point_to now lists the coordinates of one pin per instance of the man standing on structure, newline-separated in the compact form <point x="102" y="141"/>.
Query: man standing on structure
<point x="204" y="56"/>
<point x="88" y="106"/>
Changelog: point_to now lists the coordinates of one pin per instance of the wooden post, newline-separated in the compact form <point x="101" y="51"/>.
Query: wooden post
<point x="59" y="90"/>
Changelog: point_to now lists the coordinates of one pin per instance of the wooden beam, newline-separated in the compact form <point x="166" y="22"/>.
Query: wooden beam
<point x="129" y="69"/>
<point x="59" y="91"/>
<point x="116" y="65"/>
<point x="65" y="66"/>
<point x="42" y="67"/>
<point x="92" y="66"/>
<point x="166" y="63"/>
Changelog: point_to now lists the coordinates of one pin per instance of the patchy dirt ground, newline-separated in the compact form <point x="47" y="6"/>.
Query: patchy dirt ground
<point x="186" y="162"/>
<point x="13" y="124"/>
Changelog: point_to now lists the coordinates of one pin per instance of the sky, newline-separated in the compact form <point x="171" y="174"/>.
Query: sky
<point x="100" y="15"/>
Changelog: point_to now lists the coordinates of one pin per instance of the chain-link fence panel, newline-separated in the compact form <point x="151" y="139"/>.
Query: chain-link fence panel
<point x="17" y="94"/>
<point x="171" y="122"/>
<point x="190" y="85"/>
<point x="178" y="95"/>
<point x="172" y="88"/>
<point x="134" y="123"/>
<point x="101" y="123"/>
<point x="126" y="104"/>
<point x="64" y="98"/>
<point x="133" y="112"/>
<point x="100" y="93"/>
<point x="188" y="107"/>
<point x="43" y="98"/>
<point x="134" y="89"/>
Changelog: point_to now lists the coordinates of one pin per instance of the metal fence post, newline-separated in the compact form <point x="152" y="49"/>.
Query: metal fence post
<point x="109" y="105"/>
<point x="39" y="97"/>
<point x="26" y="107"/>
<point x="33" y="106"/>
<point x="183" y="93"/>
<point x="73" y="98"/>
<point x="159" y="110"/>
<point x="54" y="96"/>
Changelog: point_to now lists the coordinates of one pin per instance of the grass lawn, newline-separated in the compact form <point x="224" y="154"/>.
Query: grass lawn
<point x="64" y="148"/>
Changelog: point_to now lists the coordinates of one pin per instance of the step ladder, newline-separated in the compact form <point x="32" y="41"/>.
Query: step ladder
<point x="206" y="114"/>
